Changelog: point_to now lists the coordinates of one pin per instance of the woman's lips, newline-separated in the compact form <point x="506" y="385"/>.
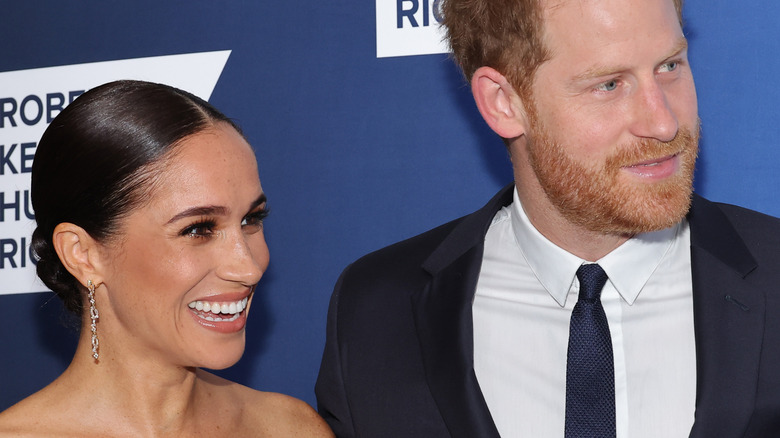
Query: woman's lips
<point x="219" y="315"/>
<point x="219" y="307"/>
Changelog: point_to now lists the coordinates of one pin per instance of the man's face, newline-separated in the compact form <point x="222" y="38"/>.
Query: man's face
<point x="613" y="124"/>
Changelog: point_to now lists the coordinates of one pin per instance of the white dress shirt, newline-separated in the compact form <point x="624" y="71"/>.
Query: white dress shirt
<point x="525" y="294"/>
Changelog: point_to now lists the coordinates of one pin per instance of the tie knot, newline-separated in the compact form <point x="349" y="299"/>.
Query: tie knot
<point x="592" y="279"/>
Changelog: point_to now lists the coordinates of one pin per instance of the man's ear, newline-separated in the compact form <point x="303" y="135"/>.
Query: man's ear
<point x="79" y="252"/>
<point x="499" y="104"/>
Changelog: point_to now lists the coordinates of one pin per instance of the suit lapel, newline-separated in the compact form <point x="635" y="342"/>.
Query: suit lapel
<point x="444" y="324"/>
<point x="728" y="322"/>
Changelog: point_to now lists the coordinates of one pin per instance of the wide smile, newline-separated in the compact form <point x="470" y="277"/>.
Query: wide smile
<point x="222" y="316"/>
<point x="212" y="311"/>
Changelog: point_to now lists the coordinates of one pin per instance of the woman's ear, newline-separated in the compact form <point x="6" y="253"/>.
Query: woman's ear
<point x="79" y="252"/>
<point x="499" y="104"/>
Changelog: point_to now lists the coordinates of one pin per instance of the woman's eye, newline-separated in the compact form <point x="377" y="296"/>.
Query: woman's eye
<point x="608" y="86"/>
<point x="254" y="219"/>
<point x="199" y="230"/>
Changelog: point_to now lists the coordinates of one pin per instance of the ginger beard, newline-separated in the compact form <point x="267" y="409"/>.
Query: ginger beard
<point x="600" y="197"/>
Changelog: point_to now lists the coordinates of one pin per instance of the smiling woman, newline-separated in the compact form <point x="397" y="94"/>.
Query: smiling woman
<point x="149" y="215"/>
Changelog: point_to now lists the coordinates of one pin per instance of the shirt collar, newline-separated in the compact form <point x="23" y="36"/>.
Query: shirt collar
<point x="628" y="267"/>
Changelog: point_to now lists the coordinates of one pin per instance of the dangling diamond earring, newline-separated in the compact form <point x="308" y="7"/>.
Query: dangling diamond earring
<point x="93" y="315"/>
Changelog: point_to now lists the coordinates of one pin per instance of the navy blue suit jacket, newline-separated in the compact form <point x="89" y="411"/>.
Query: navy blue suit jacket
<point x="398" y="359"/>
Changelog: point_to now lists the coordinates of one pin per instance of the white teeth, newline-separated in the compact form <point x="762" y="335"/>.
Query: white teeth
<point x="218" y="319"/>
<point x="232" y="308"/>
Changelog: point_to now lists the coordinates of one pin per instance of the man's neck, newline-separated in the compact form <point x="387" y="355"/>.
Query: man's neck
<point x="581" y="242"/>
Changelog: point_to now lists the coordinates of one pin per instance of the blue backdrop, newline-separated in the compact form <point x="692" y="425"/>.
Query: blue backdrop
<point x="356" y="152"/>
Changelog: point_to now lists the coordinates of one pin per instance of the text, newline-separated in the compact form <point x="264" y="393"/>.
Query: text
<point x="16" y="203"/>
<point x="31" y="109"/>
<point x="408" y="9"/>
<point x="15" y="253"/>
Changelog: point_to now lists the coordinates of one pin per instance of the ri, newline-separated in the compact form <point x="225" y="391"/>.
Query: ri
<point x="408" y="9"/>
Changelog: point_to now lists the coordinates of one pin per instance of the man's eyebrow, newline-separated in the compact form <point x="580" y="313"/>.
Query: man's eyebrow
<point x="680" y="46"/>
<point x="597" y="72"/>
<point x="206" y="210"/>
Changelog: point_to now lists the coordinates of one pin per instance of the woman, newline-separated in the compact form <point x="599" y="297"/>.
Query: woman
<point x="149" y="217"/>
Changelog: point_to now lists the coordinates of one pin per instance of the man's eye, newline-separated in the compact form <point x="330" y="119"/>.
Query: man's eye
<point x="608" y="86"/>
<point x="669" y="66"/>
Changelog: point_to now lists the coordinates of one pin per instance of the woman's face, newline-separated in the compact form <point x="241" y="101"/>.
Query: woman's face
<point x="180" y="277"/>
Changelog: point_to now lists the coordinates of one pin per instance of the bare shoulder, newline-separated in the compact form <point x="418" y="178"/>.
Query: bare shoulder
<point x="287" y="416"/>
<point x="273" y="414"/>
<point x="25" y="419"/>
<point x="14" y="421"/>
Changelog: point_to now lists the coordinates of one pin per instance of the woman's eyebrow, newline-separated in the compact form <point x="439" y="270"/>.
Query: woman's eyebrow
<point x="207" y="210"/>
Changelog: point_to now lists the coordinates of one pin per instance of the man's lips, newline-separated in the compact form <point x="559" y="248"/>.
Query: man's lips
<point x="656" y="168"/>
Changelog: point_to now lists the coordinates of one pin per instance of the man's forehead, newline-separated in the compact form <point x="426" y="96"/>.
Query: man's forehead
<point x="552" y="9"/>
<point x="551" y="6"/>
<point x="595" y="38"/>
<point x="608" y="14"/>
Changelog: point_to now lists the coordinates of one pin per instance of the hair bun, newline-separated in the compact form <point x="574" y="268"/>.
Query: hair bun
<point x="53" y="273"/>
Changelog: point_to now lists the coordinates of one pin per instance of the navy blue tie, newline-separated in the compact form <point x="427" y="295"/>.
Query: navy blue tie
<point x="590" y="369"/>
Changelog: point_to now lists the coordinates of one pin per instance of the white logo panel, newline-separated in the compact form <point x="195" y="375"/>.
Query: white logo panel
<point x="408" y="27"/>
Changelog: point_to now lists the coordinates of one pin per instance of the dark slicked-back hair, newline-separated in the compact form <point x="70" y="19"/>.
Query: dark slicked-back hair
<point x="95" y="164"/>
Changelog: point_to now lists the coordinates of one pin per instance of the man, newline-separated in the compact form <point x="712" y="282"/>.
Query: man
<point x="469" y="330"/>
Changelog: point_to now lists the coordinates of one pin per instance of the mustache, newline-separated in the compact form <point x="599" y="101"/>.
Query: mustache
<point x="686" y="142"/>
